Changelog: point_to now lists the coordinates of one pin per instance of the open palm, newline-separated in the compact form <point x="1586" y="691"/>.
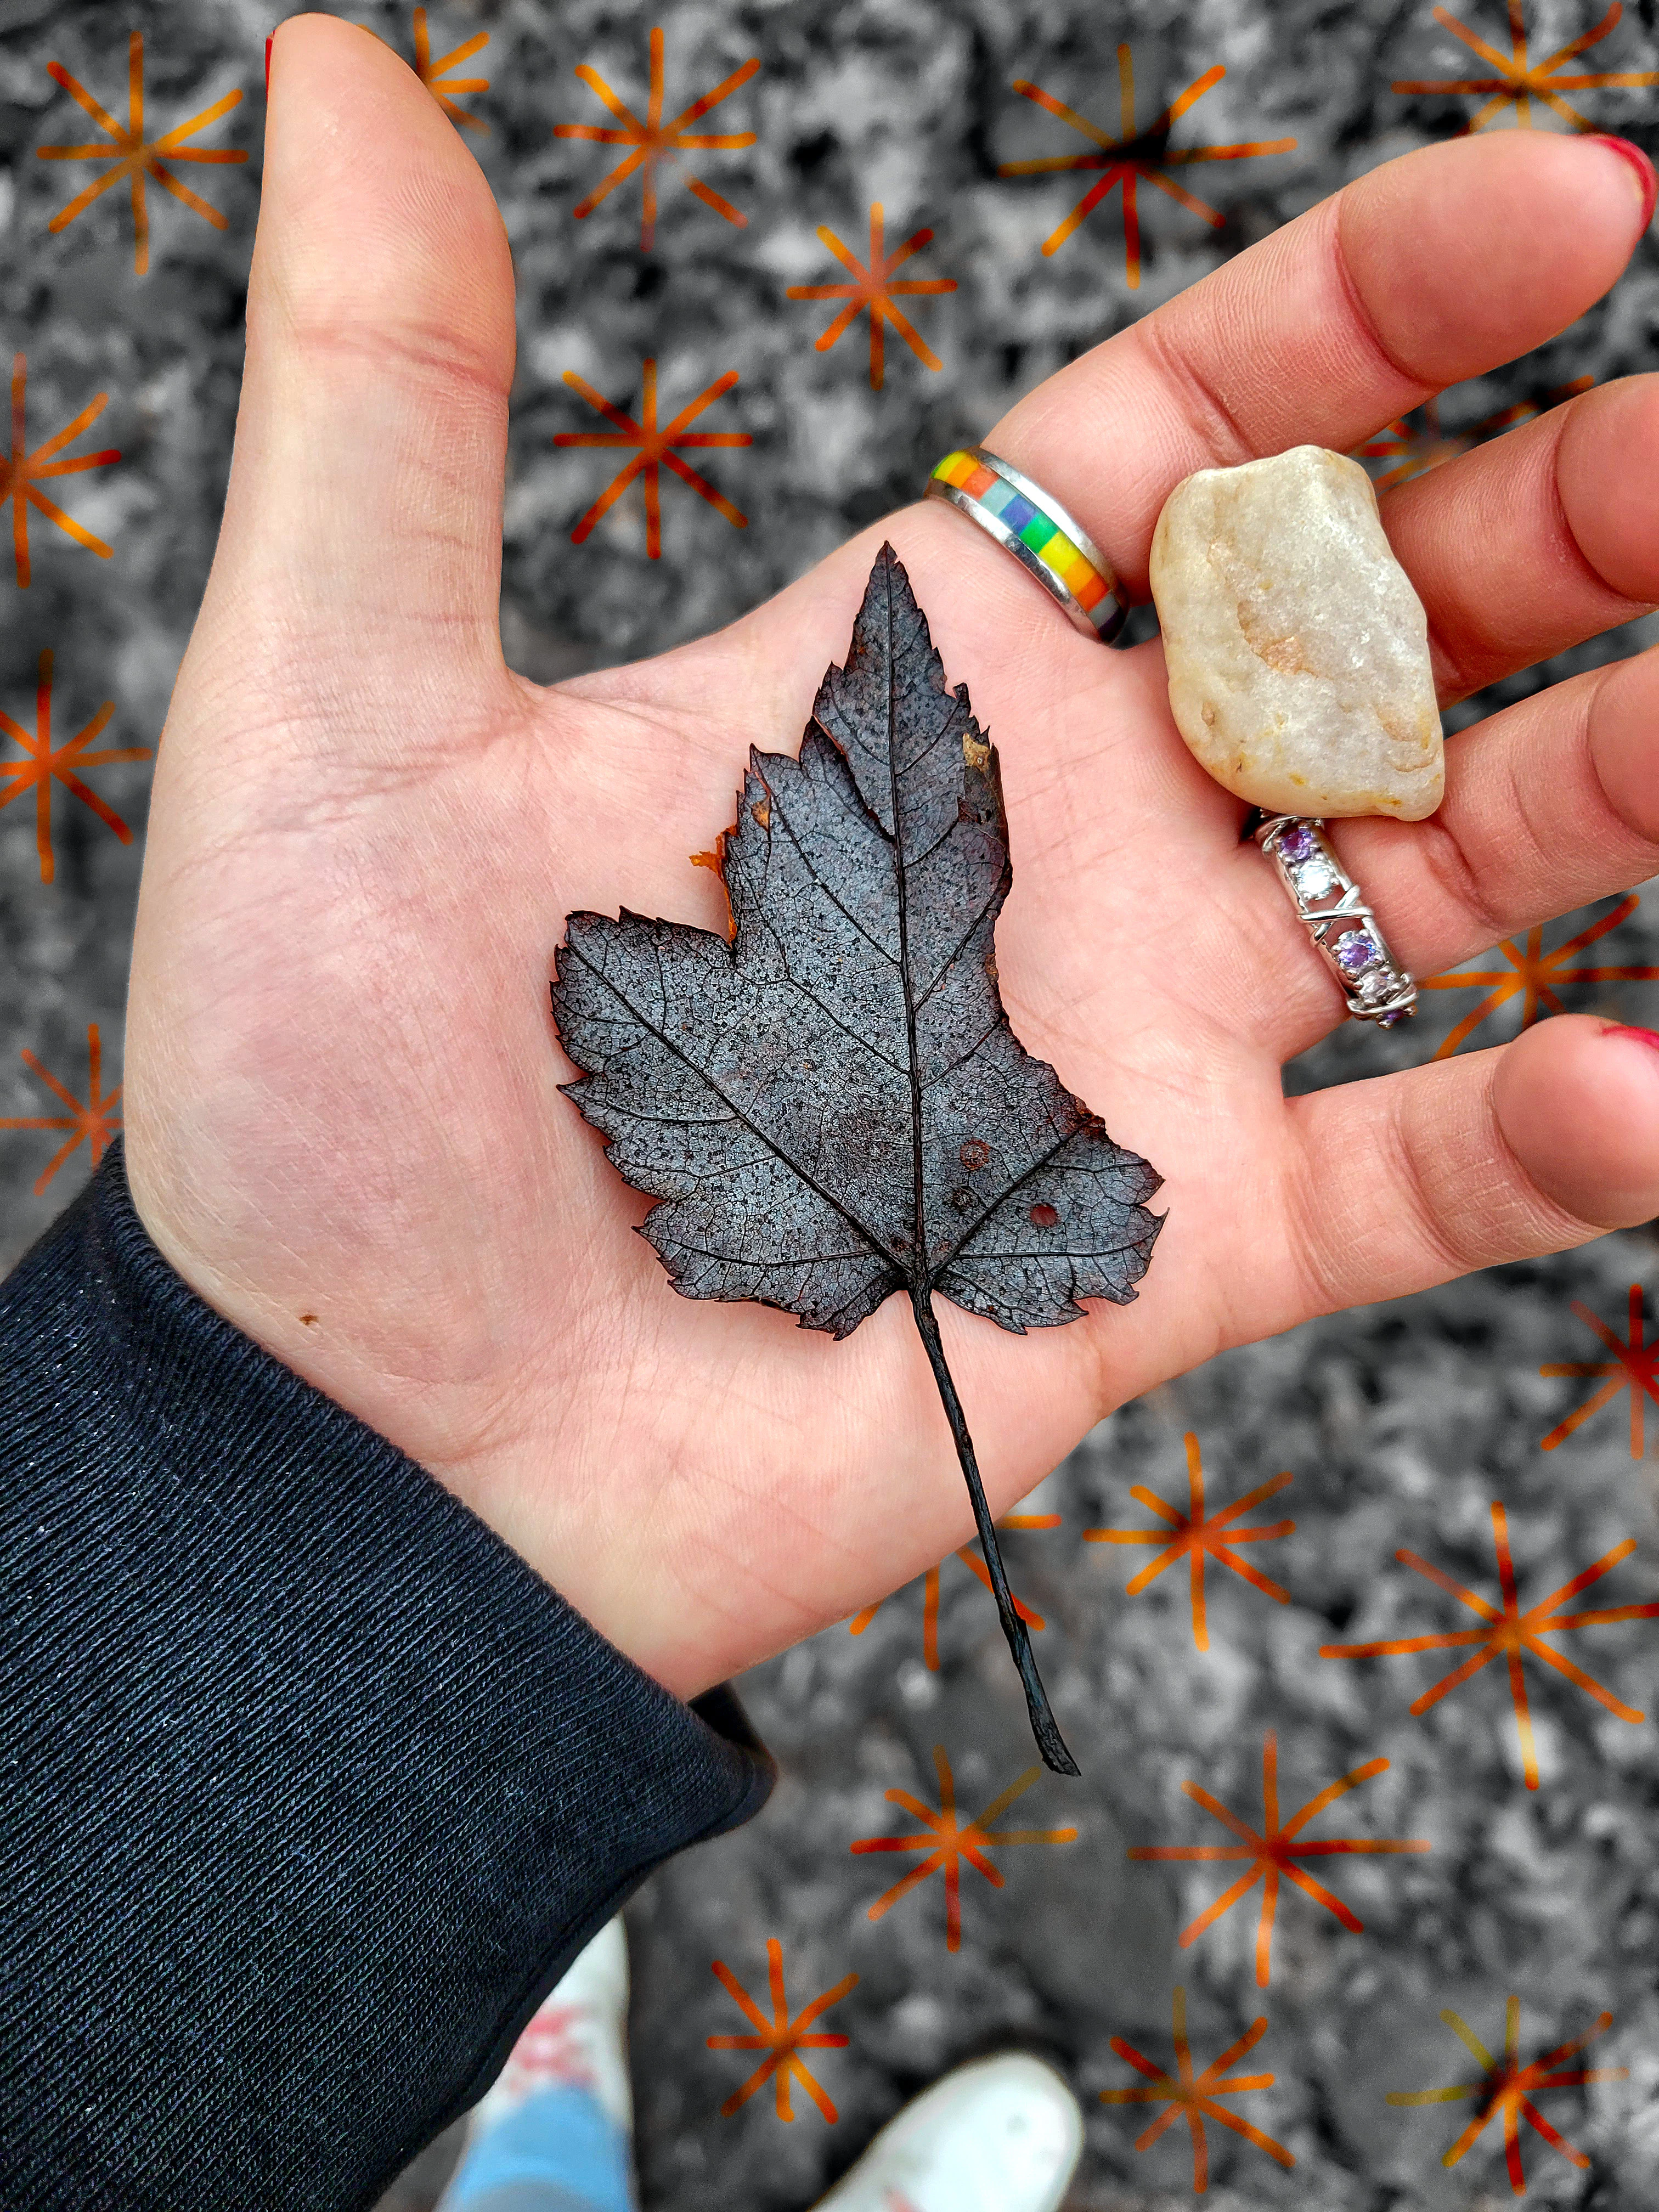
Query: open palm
<point x="343" y="1123"/>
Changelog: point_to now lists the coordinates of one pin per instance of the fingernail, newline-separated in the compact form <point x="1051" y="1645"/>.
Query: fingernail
<point x="1647" y="181"/>
<point x="1649" y="1037"/>
<point x="270" y="42"/>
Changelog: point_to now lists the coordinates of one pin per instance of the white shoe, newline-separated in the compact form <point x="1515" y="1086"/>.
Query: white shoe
<point x="1002" y="2134"/>
<point x="577" y="2037"/>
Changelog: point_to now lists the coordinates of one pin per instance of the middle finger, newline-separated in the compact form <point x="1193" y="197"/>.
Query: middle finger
<point x="1542" y="539"/>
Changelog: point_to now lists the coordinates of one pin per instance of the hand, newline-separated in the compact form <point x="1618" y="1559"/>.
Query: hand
<point x="344" y="1128"/>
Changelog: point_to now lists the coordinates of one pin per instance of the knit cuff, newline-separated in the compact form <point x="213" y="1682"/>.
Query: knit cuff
<point x="309" y="1788"/>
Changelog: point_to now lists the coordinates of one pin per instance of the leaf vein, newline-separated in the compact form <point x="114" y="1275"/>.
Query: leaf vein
<point x="836" y="1206"/>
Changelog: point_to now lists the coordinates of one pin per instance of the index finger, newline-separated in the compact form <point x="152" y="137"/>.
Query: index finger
<point x="1435" y="267"/>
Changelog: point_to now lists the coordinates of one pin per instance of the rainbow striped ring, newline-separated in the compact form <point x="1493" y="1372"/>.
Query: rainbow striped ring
<point x="1040" y="534"/>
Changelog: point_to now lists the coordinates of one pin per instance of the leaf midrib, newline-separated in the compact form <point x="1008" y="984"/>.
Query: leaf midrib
<point x="918" y="1271"/>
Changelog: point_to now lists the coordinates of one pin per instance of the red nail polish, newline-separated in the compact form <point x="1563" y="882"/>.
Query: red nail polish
<point x="1649" y="1037"/>
<point x="270" y="42"/>
<point x="1644" y="168"/>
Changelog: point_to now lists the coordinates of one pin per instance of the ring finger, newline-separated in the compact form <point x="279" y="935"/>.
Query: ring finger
<point x="1550" y="804"/>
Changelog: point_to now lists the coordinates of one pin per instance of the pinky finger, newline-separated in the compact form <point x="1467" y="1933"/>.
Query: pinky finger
<point x="1408" y="1180"/>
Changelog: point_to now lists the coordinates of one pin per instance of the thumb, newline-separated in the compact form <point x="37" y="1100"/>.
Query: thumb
<point x="363" y="522"/>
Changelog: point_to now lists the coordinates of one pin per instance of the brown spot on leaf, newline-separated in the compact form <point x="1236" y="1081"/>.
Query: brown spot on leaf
<point x="1043" y="1217"/>
<point x="974" y="1154"/>
<point x="762" y="810"/>
<point x="716" y="861"/>
<point x="974" y="751"/>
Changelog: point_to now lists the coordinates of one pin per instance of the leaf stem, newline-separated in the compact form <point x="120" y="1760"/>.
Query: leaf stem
<point x="1044" y="1726"/>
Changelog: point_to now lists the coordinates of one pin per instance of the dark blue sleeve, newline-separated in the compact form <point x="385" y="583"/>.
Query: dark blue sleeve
<point x="309" y="1788"/>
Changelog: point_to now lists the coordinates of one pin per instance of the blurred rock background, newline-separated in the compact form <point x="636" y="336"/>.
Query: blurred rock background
<point x="1400" y="1425"/>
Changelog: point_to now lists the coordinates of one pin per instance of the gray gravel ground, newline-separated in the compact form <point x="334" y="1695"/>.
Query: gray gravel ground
<point x="1400" y="1425"/>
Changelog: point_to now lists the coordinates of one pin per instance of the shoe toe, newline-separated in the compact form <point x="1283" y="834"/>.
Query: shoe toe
<point x="1000" y="2135"/>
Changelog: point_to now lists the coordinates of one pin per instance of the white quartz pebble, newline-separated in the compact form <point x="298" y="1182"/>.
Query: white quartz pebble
<point x="1298" y="650"/>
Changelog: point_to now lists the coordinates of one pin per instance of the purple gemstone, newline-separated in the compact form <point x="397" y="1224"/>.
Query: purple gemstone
<point x="1299" y="844"/>
<point x="1356" y="950"/>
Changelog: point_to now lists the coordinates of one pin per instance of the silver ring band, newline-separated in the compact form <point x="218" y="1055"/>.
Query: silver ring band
<point x="1342" y="924"/>
<point x="1047" y="541"/>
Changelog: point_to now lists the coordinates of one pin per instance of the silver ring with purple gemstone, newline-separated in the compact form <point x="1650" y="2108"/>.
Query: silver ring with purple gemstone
<point x="1343" y="927"/>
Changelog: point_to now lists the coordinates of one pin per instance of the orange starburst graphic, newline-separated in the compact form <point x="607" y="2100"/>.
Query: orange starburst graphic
<point x="782" y="2039"/>
<point x="43" y="761"/>
<point x="1196" y="1536"/>
<point x="970" y="1559"/>
<point x="1272" y="1854"/>
<point x="1133" y="157"/>
<point x="1508" y="2088"/>
<point x="655" y="450"/>
<point x="92" y="1125"/>
<point x="873" y="290"/>
<point x="654" y="140"/>
<point x="135" y="157"/>
<point x="1194" y="2097"/>
<point x="22" y="473"/>
<point x="435" y="75"/>
<point x="1519" y="82"/>
<point x="1634" y="1367"/>
<point x="948" y="1840"/>
<point x="1509" y="1633"/>
<point x="1416" y="443"/>
<point x="1535" y="977"/>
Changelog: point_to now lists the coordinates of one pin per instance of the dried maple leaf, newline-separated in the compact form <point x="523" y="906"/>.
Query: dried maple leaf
<point x="832" y="1106"/>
